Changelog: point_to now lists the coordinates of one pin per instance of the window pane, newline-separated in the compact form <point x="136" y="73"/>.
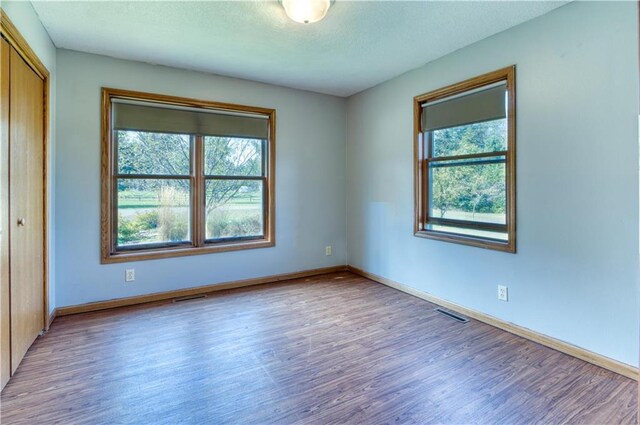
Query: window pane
<point x="469" y="232"/>
<point x="488" y="136"/>
<point x="153" y="211"/>
<point x="234" y="209"/>
<point x="468" y="192"/>
<point x="153" y="153"/>
<point x="232" y="156"/>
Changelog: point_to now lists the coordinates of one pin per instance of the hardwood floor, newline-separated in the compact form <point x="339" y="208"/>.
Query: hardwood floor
<point x="329" y="349"/>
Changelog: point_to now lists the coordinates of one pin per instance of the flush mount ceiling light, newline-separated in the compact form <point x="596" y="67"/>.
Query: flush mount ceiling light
<point x="306" y="11"/>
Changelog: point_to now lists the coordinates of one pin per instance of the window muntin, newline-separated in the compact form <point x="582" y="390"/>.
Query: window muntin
<point x="188" y="176"/>
<point x="465" y="165"/>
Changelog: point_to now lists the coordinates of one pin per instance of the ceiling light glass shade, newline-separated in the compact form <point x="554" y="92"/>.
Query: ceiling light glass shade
<point x="306" y="11"/>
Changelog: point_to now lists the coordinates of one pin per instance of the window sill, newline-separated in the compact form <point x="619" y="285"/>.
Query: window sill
<point x="154" y="254"/>
<point x="468" y="240"/>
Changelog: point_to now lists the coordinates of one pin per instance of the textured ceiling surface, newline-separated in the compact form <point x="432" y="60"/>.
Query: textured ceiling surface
<point x="358" y="45"/>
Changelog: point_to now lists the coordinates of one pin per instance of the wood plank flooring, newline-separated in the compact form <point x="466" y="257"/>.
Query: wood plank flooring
<point x="329" y="349"/>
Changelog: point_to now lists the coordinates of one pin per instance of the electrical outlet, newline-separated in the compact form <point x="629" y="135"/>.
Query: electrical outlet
<point x="328" y="250"/>
<point x="130" y="275"/>
<point x="503" y="293"/>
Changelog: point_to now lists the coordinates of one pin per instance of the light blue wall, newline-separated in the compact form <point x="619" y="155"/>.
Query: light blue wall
<point x="27" y="22"/>
<point x="310" y="181"/>
<point x="574" y="276"/>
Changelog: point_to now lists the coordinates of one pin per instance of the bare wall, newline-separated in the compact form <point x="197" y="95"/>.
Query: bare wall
<point x="574" y="276"/>
<point x="310" y="181"/>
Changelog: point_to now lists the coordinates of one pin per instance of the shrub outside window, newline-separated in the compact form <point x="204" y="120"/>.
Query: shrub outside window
<point x="465" y="162"/>
<point x="184" y="176"/>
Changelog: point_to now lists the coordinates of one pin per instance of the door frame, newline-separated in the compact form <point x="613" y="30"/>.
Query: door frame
<point x="18" y="42"/>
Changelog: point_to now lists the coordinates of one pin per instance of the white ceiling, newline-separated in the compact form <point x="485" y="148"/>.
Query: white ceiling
<point x="358" y="45"/>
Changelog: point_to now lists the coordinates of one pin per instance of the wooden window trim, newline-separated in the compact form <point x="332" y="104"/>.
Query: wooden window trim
<point x="422" y="156"/>
<point x="198" y="245"/>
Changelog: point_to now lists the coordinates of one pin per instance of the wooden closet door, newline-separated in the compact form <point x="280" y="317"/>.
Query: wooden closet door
<point x="26" y="206"/>
<point x="5" y="340"/>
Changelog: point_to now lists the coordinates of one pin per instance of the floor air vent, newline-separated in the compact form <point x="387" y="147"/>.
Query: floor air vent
<point x="189" y="298"/>
<point x="452" y="315"/>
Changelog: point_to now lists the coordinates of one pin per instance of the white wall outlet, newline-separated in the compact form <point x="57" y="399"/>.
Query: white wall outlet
<point x="503" y="293"/>
<point x="130" y="275"/>
<point x="328" y="250"/>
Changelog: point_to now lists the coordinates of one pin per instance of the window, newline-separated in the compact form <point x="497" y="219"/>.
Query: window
<point x="183" y="176"/>
<point x="465" y="162"/>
